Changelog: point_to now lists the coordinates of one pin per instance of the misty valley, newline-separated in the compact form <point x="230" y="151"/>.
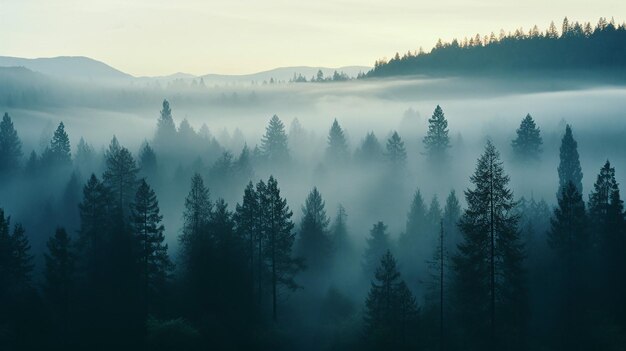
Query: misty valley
<point x="420" y="204"/>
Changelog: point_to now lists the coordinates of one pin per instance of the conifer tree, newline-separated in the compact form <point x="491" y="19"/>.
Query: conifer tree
<point x="569" y="165"/>
<point x="60" y="276"/>
<point x="92" y="236"/>
<point x="274" y="143"/>
<point x="377" y="244"/>
<point x="247" y="225"/>
<point x="396" y="153"/>
<point x="527" y="145"/>
<point x="337" y="149"/>
<point x="10" y="147"/>
<point x="490" y="282"/>
<point x="436" y="141"/>
<point x="120" y="175"/>
<point x="282" y="265"/>
<point x="22" y="265"/>
<point x="165" y="137"/>
<point x="58" y="154"/>
<point x="434" y="215"/>
<point x="390" y="309"/>
<point x="243" y="165"/>
<point x="151" y="251"/>
<point x="339" y="232"/>
<point x="451" y="216"/>
<point x="148" y="161"/>
<point x="415" y="232"/>
<point x="370" y="150"/>
<point x="314" y="243"/>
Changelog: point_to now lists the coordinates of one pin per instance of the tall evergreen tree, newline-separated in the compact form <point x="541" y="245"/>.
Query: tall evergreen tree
<point x="489" y="265"/>
<point x="93" y="233"/>
<point x="390" y="309"/>
<point x="377" y="244"/>
<point x="60" y="277"/>
<point x="337" y="149"/>
<point x="274" y="142"/>
<point x="248" y="227"/>
<point x="165" y="137"/>
<point x="370" y="150"/>
<point x="339" y="233"/>
<point x="120" y="175"/>
<point x="148" y="161"/>
<point x="10" y="146"/>
<point x="451" y="216"/>
<point x="527" y="144"/>
<point x="413" y="240"/>
<point x="436" y="141"/>
<point x="314" y="244"/>
<point x="396" y="153"/>
<point x="278" y="226"/>
<point x="58" y="154"/>
<point x="22" y="260"/>
<point x="151" y="251"/>
<point x="569" y="165"/>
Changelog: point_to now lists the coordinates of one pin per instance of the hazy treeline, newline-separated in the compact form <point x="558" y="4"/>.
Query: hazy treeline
<point x="577" y="46"/>
<point x="89" y="258"/>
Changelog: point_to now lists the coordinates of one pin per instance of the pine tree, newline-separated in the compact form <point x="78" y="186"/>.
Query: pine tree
<point x="94" y="215"/>
<point x="60" y="276"/>
<point x="370" y="150"/>
<point x="243" y="165"/>
<point x="58" y="154"/>
<point x="16" y="262"/>
<point x="451" y="216"/>
<point x="434" y="215"/>
<point x="120" y="175"/>
<point x="390" y="309"/>
<point x="165" y="137"/>
<point x="490" y="277"/>
<point x="569" y="238"/>
<point x="148" y="161"/>
<point x="314" y="244"/>
<point x="278" y="249"/>
<point x="337" y="149"/>
<point x="377" y="244"/>
<point x="436" y="141"/>
<point x="339" y="233"/>
<point x="22" y="259"/>
<point x="415" y="233"/>
<point x="396" y="153"/>
<point x="527" y="145"/>
<point x="151" y="252"/>
<point x="85" y="157"/>
<point x="10" y="147"/>
<point x="569" y="165"/>
<point x="247" y="225"/>
<point x="274" y="142"/>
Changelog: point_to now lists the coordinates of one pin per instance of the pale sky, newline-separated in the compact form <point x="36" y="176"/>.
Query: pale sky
<point x="157" y="37"/>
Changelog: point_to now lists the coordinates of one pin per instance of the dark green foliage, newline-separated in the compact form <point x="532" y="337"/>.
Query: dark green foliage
<point x="148" y="161"/>
<point x="490" y="280"/>
<point x="60" y="269"/>
<point x="377" y="245"/>
<point x="396" y="153"/>
<point x="120" y="175"/>
<point x="274" y="143"/>
<point x="58" y="154"/>
<point x="577" y="48"/>
<point x="370" y="151"/>
<point x="172" y="334"/>
<point x="436" y="141"/>
<point x="391" y="313"/>
<point x="337" y="149"/>
<point x="10" y="147"/>
<point x="569" y="164"/>
<point x="527" y="144"/>
<point x="451" y="216"/>
<point x="339" y="233"/>
<point x="243" y="165"/>
<point x="151" y="252"/>
<point x="314" y="243"/>
<point x="165" y="137"/>
<point x="16" y="263"/>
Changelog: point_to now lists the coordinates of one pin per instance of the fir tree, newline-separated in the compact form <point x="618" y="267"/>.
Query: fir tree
<point x="377" y="244"/>
<point x="58" y="154"/>
<point x="165" y="137"/>
<point x="247" y="225"/>
<point x="120" y="175"/>
<point x="148" y="161"/>
<point x="22" y="260"/>
<point x="278" y="226"/>
<point x="569" y="165"/>
<point x="151" y="251"/>
<point x="415" y="233"/>
<point x="243" y="165"/>
<point x="274" y="142"/>
<point x="451" y="216"/>
<point x="396" y="153"/>
<point x="339" y="233"/>
<point x="370" y="150"/>
<point x="390" y="308"/>
<point x="337" y="149"/>
<point x="490" y="277"/>
<point x="527" y="145"/>
<point x="94" y="213"/>
<point x="314" y="242"/>
<point x="436" y="141"/>
<point x="60" y="276"/>
<point x="10" y="146"/>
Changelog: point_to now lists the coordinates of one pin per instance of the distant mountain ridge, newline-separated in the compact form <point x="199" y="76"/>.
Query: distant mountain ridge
<point x="85" y="68"/>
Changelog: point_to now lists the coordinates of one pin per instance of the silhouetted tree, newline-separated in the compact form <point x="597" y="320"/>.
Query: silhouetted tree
<point x="527" y="145"/>
<point x="451" y="216"/>
<point x="10" y="147"/>
<point x="377" y="245"/>
<point x="370" y="150"/>
<point x="165" y="137"/>
<point x="337" y="149"/>
<point x="60" y="279"/>
<point x="148" y="161"/>
<point x="490" y="279"/>
<point x="569" y="164"/>
<point x="396" y="153"/>
<point x="274" y="142"/>
<point x="436" y="141"/>
<point x="58" y="154"/>
<point x="120" y="175"/>
<point x="339" y="232"/>
<point x="314" y="244"/>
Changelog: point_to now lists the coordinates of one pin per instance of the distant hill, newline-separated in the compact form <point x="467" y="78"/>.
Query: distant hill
<point x="283" y="74"/>
<point x="67" y="67"/>
<point x="578" y="47"/>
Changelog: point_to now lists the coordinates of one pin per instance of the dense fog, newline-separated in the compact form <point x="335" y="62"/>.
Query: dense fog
<point x="215" y="123"/>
